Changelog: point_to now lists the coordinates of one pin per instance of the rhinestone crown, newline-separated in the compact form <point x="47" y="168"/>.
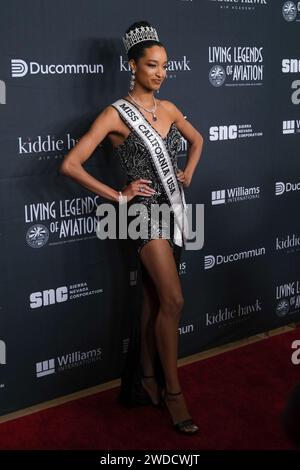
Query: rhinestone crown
<point x="139" y="34"/>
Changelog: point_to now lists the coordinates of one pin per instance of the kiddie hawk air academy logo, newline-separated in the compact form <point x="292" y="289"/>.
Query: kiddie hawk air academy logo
<point x="239" y="5"/>
<point x="175" y="67"/>
<point x="290" y="10"/>
<point x="233" y="314"/>
<point x="46" y="147"/>
<point x="235" y="66"/>
<point x="289" y="243"/>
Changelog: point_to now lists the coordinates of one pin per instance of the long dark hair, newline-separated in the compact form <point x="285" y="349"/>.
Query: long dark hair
<point x="138" y="50"/>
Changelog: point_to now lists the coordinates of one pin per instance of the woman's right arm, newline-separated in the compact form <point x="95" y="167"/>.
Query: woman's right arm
<point x="72" y="167"/>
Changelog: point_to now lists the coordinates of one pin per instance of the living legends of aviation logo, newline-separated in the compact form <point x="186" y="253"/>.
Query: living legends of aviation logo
<point x="288" y="298"/>
<point x="54" y="222"/>
<point x="236" y="65"/>
<point x="290" y="11"/>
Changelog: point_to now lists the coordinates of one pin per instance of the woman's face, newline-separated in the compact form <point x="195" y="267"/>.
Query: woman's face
<point x="151" y="69"/>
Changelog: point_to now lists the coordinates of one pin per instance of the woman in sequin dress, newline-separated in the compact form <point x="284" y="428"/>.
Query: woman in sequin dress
<point x="150" y="374"/>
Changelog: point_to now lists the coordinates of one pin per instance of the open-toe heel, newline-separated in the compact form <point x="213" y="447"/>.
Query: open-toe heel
<point x="186" y="426"/>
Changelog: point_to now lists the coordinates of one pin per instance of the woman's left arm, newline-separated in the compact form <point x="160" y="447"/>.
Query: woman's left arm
<point x="195" y="140"/>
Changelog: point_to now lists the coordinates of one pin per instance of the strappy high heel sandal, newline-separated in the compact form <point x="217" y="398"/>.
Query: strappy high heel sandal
<point x="158" y="404"/>
<point x="186" y="426"/>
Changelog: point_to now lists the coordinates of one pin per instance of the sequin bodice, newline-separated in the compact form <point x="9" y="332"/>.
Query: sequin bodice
<point x="136" y="160"/>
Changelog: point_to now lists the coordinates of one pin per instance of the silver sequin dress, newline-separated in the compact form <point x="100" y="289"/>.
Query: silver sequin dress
<point x="136" y="160"/>
<point x="137" y="163"/>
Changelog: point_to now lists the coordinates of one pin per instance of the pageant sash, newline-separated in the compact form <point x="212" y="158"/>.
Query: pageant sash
<point x="162" y="162"/>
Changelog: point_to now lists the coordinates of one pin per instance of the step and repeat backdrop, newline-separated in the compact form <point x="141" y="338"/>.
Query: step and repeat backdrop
<point x="68" y="298"/>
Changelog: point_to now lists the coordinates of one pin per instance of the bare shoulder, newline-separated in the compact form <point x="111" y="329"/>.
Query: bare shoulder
<point x="185" y="127"/>
<point x="108" y="119"/>
<point x="110" y="112"/>
<point x="175" y="113"/>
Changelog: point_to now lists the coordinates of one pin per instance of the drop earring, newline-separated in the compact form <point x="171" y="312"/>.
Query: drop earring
<point x="132" y="80"/>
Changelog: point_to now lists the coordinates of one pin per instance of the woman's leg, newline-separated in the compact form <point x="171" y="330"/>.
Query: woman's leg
<point x="150" y="308"/>
<point x="158" y="259"/>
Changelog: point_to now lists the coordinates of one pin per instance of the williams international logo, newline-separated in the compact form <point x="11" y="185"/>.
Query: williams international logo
<point x="67" y="361"/>
<point x="288" y="298"/>
<point x="45" y="368"/>
<point x="231" y="195"/>
<point x="232" y="132"/>
<point x="239" y="5"/>
<point x="291" y="127"/>
<point x="289" y="187"/>
<point x="56" y="222"/>
<point x="20" y="68"/>
<point x="211" y="261"/>
<point x="236" y="65"/>
<point x="290" y="11"/>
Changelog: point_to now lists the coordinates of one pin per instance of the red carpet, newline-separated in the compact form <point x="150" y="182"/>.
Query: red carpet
<point x="236" y="398"/>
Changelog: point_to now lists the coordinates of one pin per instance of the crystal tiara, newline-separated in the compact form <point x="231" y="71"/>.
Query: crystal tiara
<point x="142" y="33"/>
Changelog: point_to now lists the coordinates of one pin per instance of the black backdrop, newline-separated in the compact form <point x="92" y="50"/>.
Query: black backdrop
<point x="67" y="298"/>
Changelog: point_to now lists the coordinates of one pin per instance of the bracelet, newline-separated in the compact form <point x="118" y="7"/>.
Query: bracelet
<point x="122" y="198"/>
